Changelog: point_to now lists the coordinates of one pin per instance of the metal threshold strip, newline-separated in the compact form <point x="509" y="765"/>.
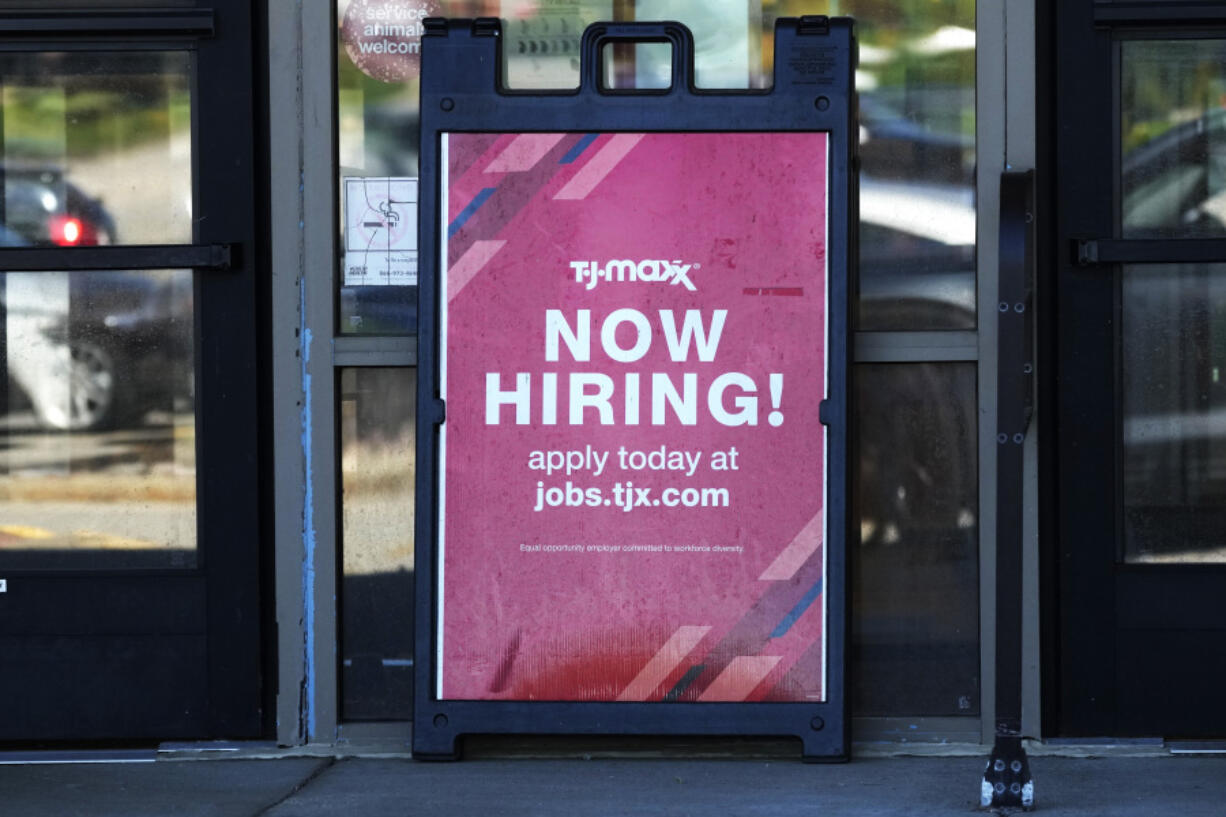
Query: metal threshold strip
<point x="1197" y="747"/>
<point x="54" y="757"/>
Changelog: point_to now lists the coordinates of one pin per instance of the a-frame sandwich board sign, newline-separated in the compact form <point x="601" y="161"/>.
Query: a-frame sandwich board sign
<point x="633" y="396"/>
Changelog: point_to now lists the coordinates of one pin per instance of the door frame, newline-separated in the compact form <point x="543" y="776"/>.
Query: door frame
<point x="1085" y="585"/>
<point x="232" y="566"/>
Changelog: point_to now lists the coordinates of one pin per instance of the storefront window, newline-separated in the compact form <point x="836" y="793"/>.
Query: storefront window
<point x="915" y="620"/>
<point x="916" y="82"/>
<point x="916" y="563"/>
<point x="377" y="454"/>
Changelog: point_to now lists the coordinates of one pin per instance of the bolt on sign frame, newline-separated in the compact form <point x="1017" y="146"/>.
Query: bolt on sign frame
<point x="633" y="396"/>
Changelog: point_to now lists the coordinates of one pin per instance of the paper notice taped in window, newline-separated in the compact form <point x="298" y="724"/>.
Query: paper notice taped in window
<point x="380" y="231"/>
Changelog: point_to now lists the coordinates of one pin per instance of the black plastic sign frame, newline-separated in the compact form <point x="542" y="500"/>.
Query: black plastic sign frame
<point x="465" y="109"/>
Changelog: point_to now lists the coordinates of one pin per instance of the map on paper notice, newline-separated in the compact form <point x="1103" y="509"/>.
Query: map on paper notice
<point x="380" y="231"/>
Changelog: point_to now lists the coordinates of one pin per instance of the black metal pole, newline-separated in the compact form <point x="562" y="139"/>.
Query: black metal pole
<point x="1007" y="780"/>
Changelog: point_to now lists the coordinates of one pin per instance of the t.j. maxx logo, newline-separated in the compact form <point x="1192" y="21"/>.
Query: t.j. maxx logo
<point x="650" y="271"/>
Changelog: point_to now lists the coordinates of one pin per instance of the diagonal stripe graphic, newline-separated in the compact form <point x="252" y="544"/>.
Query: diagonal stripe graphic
<point x="752" y="634"/>
<point x="740" y="678"/>
<point x="797" y="552"/>
<point x="467" y="212"/>
<point x="467" y="154"/>
<point x="661" y="665"/>
<point x="463" y="271"/>
<point x="599" y="166"/>
<point x="691" y="675"/>
<point x="524" y="152"/>
<point x="805" y="678"/>
<point x="799" y="610"/>
<point x="515" y="193"/>
<point x="577" y="151"/>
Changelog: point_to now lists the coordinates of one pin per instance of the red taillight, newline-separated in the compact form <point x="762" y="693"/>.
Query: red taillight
<point x="68" y="231"/>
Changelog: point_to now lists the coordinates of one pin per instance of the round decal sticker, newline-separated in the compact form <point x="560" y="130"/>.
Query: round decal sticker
<point x="383" y="37"/>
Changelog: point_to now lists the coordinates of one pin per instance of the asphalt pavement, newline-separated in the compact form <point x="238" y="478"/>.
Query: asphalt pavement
<point x="543" y="787"/>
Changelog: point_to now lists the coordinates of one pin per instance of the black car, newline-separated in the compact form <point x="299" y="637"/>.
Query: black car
<point x="90" y="350"/>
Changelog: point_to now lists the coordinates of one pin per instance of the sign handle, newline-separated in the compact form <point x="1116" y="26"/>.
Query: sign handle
<point x="598" y="35"/>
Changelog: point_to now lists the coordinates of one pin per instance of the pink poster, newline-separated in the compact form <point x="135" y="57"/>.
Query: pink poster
<point x="633" y="469"/>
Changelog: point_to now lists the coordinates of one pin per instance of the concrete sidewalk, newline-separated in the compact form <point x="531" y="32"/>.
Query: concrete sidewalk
<point x="358" y="787"/>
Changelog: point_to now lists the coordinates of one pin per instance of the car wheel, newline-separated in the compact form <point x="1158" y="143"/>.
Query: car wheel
<point x="91" y="402"/>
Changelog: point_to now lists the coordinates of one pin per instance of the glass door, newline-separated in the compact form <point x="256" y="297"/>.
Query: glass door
<point x="1141" y="346"/>
<point x="128" y="407"/>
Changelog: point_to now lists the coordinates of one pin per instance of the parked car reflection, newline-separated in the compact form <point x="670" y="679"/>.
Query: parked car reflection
<point x="98" y="350"/>
<point x="46" y="209"/>
<point x="88" y="350"/>
<point x="916" y="256"/>
<point x="1173" y="186"/>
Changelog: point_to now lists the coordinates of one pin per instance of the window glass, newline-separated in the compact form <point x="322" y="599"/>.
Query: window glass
<point x="377" y="461"/>
<point x="81" y="136"/>
<point x="1173" y="139"/>
<point x="1173" y="185"/>
<point x="97" y="380"/>
<point x="916" y="84"/>
<point x="1173" y="371"/>
<point x="915" y="570"/>
<point x="97" y="420"/>
<point x="916" y="81"/>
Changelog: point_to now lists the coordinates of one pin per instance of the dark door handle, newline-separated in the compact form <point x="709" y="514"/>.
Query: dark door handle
<point x="1090" y="251"/>
<point x="123" y="257"/>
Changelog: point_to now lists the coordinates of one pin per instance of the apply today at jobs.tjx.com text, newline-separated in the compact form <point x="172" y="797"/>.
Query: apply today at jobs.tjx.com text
<point x="625" y="494"/>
